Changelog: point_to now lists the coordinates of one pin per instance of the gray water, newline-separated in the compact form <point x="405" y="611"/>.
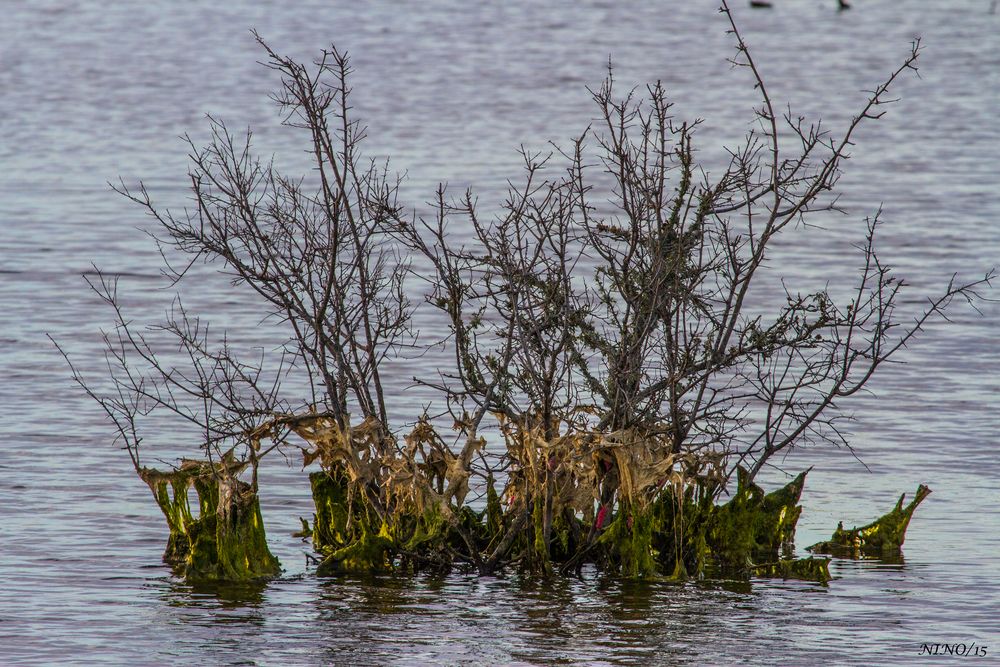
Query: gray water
<point x="94" y="91"/>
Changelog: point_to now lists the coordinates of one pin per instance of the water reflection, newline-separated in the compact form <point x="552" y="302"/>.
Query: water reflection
<point x="528" y="619"/>
<point x="245" y="596"/>
<point x="515" y="619"/>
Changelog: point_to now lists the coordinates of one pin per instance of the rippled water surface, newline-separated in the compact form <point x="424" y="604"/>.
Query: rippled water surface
<point x="96" y="90"/>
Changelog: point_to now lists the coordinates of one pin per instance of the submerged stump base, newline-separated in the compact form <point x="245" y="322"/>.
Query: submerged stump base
<point x="678" y="534"/>
<point x="751" y="535"/>
<point x="352" y="538"/>
<point x="226" y="541"/>
<point x="882" y="538"/>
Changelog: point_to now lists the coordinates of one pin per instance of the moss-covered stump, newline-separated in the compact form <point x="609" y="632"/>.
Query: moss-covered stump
<point x="753" y="526"/>
<point x="699" y="538"/>
<point x="346" y="530"/>
<point x="331" y="523"/>
<point x="690" y="536"/>
<point x="174" y="505"/>
<point x="226" y="541"/>
<point x="882" y="538"/>
<point x="677" y="536"/>
<point x="352" y="537"/>
<point x="628" y="542"/>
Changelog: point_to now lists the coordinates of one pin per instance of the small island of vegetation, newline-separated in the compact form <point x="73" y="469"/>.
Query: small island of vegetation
<point x="613" y="371"/>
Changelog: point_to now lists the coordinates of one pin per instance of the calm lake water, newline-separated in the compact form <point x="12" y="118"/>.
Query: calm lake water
<point x="94" y="91"/>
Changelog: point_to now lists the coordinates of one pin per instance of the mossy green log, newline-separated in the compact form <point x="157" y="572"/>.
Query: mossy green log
<point x="882" y="538"/>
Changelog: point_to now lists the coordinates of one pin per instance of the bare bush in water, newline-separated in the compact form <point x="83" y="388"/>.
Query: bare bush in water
<point x="621" y="354"/>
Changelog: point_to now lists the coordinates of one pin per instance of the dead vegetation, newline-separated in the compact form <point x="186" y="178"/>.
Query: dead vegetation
<point x="614" y="356"/>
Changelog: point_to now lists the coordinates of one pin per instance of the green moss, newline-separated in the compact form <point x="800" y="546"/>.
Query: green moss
<point x="753" y="527"/>
<point x="227" y="541"/>
<point x="565" y="536"/>
<point x="174" y="505"/>
<point x="628" y="541"/>
<point x="679" y="537"/>
<point x="346" y="530"/>
<point x="680" y="541"/>
<point x="430" y="530"/>
<point x="694" y="537"/>
<point x="539" y="560"/>
<point x="352" y="537"/>
<point x="369" y="553"/>
<point x="331" y="525"/>
<point x="235" y="547"/>
<point x="882" y="538"/>
<point x="774" y="528"/>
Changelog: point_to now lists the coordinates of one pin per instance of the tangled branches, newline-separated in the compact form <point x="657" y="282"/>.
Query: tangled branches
<point x="622" y="351"/>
